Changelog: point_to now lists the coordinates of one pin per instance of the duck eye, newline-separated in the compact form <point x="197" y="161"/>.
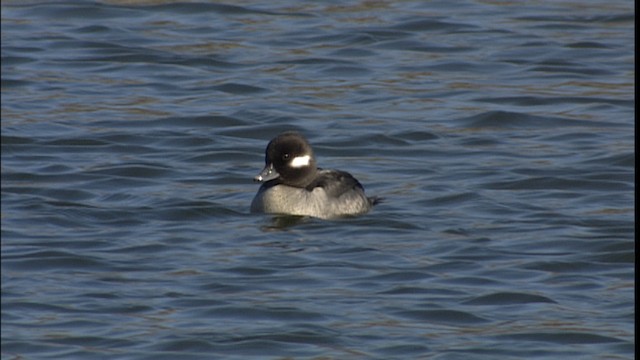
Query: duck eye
<point x="286" y="156"/>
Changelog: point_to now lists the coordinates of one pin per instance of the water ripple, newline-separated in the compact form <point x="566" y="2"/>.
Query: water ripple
<point x="499" y="136"/>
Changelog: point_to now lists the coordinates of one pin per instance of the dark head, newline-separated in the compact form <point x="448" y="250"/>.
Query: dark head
<point x="289" y="158"/>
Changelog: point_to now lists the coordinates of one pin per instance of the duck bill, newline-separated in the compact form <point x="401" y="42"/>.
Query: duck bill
<point x="268" y="173"/>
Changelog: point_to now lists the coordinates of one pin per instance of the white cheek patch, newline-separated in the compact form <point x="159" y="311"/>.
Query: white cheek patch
<point x="300" y="161"/>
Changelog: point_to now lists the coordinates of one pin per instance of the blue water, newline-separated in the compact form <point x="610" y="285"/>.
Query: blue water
<point x="500" y="135"/>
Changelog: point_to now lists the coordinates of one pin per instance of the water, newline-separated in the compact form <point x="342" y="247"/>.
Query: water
<point x="500" y="135"/>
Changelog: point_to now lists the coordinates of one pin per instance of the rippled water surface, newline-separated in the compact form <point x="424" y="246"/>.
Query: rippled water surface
<point x="500" y="135"/>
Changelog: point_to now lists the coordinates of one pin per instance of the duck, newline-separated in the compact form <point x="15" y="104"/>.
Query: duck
<point x="292" y="184"/>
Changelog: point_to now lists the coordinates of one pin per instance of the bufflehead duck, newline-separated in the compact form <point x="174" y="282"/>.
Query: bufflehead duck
<point x="293" y="185"/>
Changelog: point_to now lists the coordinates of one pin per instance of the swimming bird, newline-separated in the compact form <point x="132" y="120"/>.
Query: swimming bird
<point x="294" y="185"/>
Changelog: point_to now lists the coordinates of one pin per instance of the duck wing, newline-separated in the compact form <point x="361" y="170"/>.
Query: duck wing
<point x="335" y="182"/>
